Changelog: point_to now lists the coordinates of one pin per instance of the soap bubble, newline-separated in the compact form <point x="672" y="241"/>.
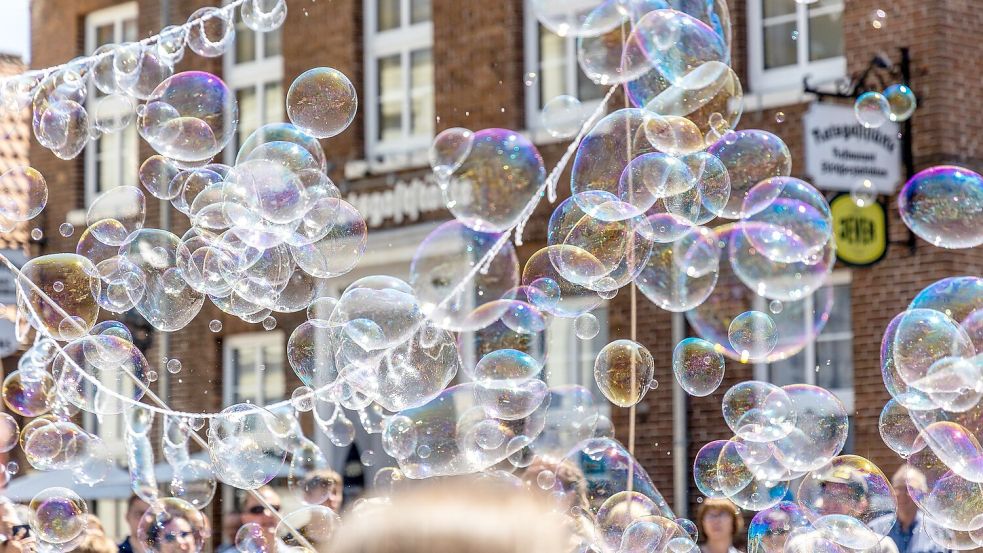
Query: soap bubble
<point x="194" y="482"/>
<point x="923" y="338"/>
<point x="339" y="250"/>
<point x="169" y="303"/>
<point x="897" y="429"/>
<point x="902" y="101"/>
<point x="63" y="128"/>
<point x="29" y="394"/>
<point x="944" y="206"/>
<point x="57" y="515"/>
<point x="795" y="220"/>
<point x="263" y="15"/>
<point x="706" y="200"/>
<point x="699" y="368"/>
<point x="170" y="45"/>
<point x="309" y="352"/>
<point x="258" y="144"/>
<point x="67" y="314"/>
<point x="750" y="156"/>
<point x="441" y="262"/>
<point x="114" y="215"/>
<point x="101" y="373"/>
<point x="500" y="175"/>
<point x="753" y="334"/>
<point x="26" y="193"/>
<point x="872" y="109"/>
<point x="820" y="428"/>
<point x="243" y="448"/>
<point x="563" y="116"/>
<point x="604" y="154"/>
<point x="564" y="20"/>
<point x="682" y="273"/>
<point x="322" y="102"/>
<point x="250" y="538"/>
<point x="506" y="400"/>
<point x="449" y="150"/>
<point x="316" y="523"/>
<point x="190" y="117"/>
<point x="674" y="43"/>
<point x="758" y="411"/>
<point x="852" y="500"/>
<point x="586" y="326"/>
<point x="169" y="523"/>
<point x="719" y="470"/>
<point x="778" y="280"/>
<point x="211" y="32"/>
<point x="771" y="528"/>
<point x="9" y="431"/>
<point x="623" y="370"/>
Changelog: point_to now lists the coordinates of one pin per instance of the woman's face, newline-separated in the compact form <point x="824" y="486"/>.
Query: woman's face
<point x="177" y="537"/>
<point x="718" y="524"/>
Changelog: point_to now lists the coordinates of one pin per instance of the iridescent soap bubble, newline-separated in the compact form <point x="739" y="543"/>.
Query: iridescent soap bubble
<point x="623" y="370"/>
<point x="758" y="411"/>
<point x="618" y="513"/>
<point x="550" y="291"/>
<point x="9" y="432"/>
<point x="322" y="102"/>
<point x="750" y="156"/>
<point x="863" y="194"/>
<point x="586" y="326"/>
<point x="651" y="177"/>
<point x="771" y="528"/>
<point x="70" y="312"/>
<point x="674" y="43"/>
<point x="258" y="144"/>
<point x="243" y="450"/>
<point x="310" y="354"/>
<point x="706" y="200"/>
<point x="26" y="193"/>
<point x="506" y="400"/>
<point x="57" y="515"/>
<point x="449" y="150"/>
<point x="820" y="428"/>
<point x="564" y="20"/>
<point x="114" y="215"/>
<point x="777" y="280"/>
<point x="339" y="250"/>
<point x="496" y="181"/>
<point x="190" y="117"/>
<point x="443" y="260"/>
<point x="795" y="220"/>
<point x="170" y="45"/>
<point x="263" y="15"/>
<point x="673" y="134"/>
<point x="169" y="303"/>
<point x="563" y="116"/>
<point x="506" y="364"/>
<point x="194" y="482"/>
<point x="872" y="109"/>
<point x="753" y="334"/>
<point x="944" y="206"/>
<point x="29" y="394"/>
<point x="250" y="538"/>
<point x="698" y="367"/>
<point x="902" y="102"/>
<point x="958" y="297"/>
<point x="923" y="338"/>
<point x="681" y="274"/>
<point x="719" y="470"/>
<point x="316" y="523"/>
<point x="211" y="31"/>
<point x="604" y="155"/>
<point x="172" y="523"/>
<point x="852" y="500"/>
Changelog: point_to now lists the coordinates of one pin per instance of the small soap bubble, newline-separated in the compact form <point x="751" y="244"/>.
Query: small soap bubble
<point x="863" y="194"/>
<point x="775" y="306"/>
<point x="269" y="323"/>
<point x="872" y="109"/>
<point x="753" y="334"/>
<point x="66" y="229"/>
<point x="587" y="326"/>
<point x="173" y="366"/>
<point x="37" y="234"/>
<point x="780" y="117"/>
<point x="215" y="325"/>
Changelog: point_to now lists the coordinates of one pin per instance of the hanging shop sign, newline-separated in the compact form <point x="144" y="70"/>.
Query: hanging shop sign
<point x="860" y="231"/>
<point x="841" y="153"/>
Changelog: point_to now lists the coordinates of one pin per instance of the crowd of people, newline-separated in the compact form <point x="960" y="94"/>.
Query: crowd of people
<point x="426" y="518"/>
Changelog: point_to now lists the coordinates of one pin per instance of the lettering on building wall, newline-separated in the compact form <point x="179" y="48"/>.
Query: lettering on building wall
<point x="404" y="201"/>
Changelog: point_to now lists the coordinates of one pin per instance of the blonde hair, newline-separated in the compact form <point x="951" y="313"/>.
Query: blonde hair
<point x="455" y="516"/>
<point x="724" y="505"/>
<point x="97" y="543"/>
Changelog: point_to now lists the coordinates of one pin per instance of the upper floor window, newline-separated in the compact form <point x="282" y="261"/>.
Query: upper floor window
<point x="570" y="359"/>
<point x="254" y="368"/>
<point x="790" y="39"/>
<point x="254" y="70"/>
<point x="112" y="159"/>
<point x="399" y="75"/>
<point x="552" y="69"/>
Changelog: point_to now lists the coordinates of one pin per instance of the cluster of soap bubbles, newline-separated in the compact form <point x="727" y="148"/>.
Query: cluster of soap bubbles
<point x="897" y="103"/>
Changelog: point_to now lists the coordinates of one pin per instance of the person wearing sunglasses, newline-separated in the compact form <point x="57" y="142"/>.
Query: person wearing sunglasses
<point x="255" y="512"/>
<point x="324" y="487"/>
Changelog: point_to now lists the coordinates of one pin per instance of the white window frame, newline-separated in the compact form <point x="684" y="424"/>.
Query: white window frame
<point x="256" y="340"/>
<point x="534" y="115"/>
<point x="403" y="40"/>
<point x="789" y="78"/>
<point x="255" y="74"/>
<point x="846" y="395"/>
<point x="116" y="15"/>
<point x="566" y="359"/>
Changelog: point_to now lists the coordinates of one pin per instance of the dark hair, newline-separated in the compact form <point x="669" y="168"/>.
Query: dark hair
<point x="737" y="528"/>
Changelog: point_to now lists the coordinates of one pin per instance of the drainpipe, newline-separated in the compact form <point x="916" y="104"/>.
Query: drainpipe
<point x="680" y="441"/>
<point x="164" y="339"/>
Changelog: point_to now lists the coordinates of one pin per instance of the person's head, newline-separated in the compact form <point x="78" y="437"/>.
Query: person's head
<point x="15" y="535"/>
<point x="905" y="477"/>
<point x="567" y="475"/>
<point x="177" y="535"/>
<point x="327" y="484"/>
<point x="255" y="512"/>
<point x="135" y="509"/>
<point x="96" y="542"/>
<point x="719" y="520"/>
<point x="94" y="525"/>
<point x="454" y="517"/>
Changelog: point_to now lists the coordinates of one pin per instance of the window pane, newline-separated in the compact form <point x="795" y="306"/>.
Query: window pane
<point x="587" y="89"/>
<point x="839" y="317"/>
<point x="129" y="30"/>
<point x="130" y="157"/>
<point x="104" y="35"/>
<point x="248" y="114"/>
<point x="108" y="162"/>
<point x="273" y="102"/>
<point x="552" y="66"/>
<point x="390" y="98"/>
<point x="826" y="36"/>
<point x="274" y="383"/>
<point x="421" y="75"/>
<point x="420" y="12"/>
<point x="273" y="44"/>
<point x="245" y="44"/>
<point x="244" y="374"/>
<point x="780" y="49"/>
<point x="774" y="8"/>
<point x="835" y="362"/>
<point x="388" y="14"/>
<point x="788" y="371"/>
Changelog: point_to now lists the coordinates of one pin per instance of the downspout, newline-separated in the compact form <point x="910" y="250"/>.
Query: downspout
<point x="164" y="381"/>
<point x="680" y="440"/>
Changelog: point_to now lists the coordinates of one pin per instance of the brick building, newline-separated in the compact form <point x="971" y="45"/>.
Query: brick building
<point x="424" y="65"/>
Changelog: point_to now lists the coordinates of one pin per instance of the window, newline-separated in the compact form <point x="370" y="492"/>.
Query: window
<point x="570" y="360"/>
<point x="399" y="77"/>
<point x="112" y="160"/>
<point x="789" y="40"/>
<point x="827" y="361"/>
<point x="254" y="368"/>
<point x="552" y="68"/>
<point x="254" y="70"/>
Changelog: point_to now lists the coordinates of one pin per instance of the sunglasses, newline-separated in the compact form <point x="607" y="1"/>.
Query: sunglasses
<point x="17" y="532"/>
<point x="175" y="536"/>
<point x="259" y="509"/>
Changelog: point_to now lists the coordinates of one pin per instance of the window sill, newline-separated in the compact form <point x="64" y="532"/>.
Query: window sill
<point x="776" y="98"/>
<point x="386" y="164"/>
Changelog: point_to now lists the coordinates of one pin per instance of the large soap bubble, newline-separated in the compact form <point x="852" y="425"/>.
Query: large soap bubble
<point x="61" y="290"/>
<point x="624" y="370"/>
<point x="322" y="101"/>
<point x="944" y="206"/>
<point x="243" y="446"/>
<point x="750" y="157"/>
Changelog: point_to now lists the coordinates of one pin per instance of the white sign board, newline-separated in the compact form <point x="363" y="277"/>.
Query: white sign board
<point x="841" y="153"/>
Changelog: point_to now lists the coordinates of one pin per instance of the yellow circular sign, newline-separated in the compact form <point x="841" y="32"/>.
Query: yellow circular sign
<point x="861" y="231"/>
